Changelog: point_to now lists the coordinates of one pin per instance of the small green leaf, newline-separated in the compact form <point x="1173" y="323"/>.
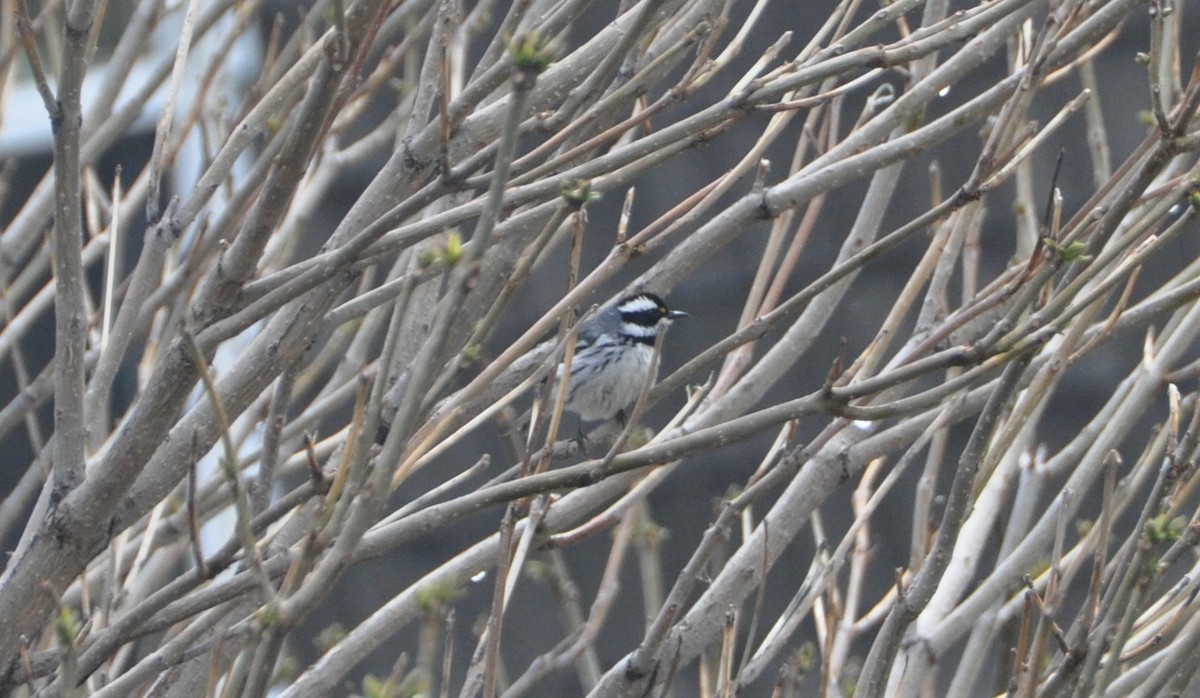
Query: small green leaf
<point x="374" y="687"/>
<point x="434" y="598"/>
<point x="578" y="192"/>
<point x="454" y="248"/>
<point x="1070" y="252"/>
<point x="1160" y="529"/>
<point x="66" y="628"/>
<point x="532" y="52"/>
<point x="427" y="257"/>
<point x="269" y="616"/>
<point x="805" y="658"/>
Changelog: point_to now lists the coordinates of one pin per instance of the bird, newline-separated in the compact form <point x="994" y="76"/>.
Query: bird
<point x="614" y="351"/>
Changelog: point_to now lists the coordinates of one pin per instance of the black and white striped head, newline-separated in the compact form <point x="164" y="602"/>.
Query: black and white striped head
<point x="640" y="315"/>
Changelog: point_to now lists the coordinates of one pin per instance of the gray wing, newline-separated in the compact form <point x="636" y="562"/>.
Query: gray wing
<point x="605" y="320"/>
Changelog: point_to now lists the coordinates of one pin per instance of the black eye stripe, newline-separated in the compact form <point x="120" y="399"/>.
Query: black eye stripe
<point x="648" y="317"/>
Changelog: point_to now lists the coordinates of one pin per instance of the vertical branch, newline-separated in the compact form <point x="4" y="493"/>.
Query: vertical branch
<point x="166" y="116"/>
<point x="70" y="311"/>
<point x="912" y="600"/>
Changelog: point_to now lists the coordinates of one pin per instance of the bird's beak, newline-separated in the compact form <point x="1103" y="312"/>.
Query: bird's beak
<point x="676" y="314"/>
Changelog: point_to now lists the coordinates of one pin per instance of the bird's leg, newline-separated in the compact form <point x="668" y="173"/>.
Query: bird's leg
<point x="580" y="437"/>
